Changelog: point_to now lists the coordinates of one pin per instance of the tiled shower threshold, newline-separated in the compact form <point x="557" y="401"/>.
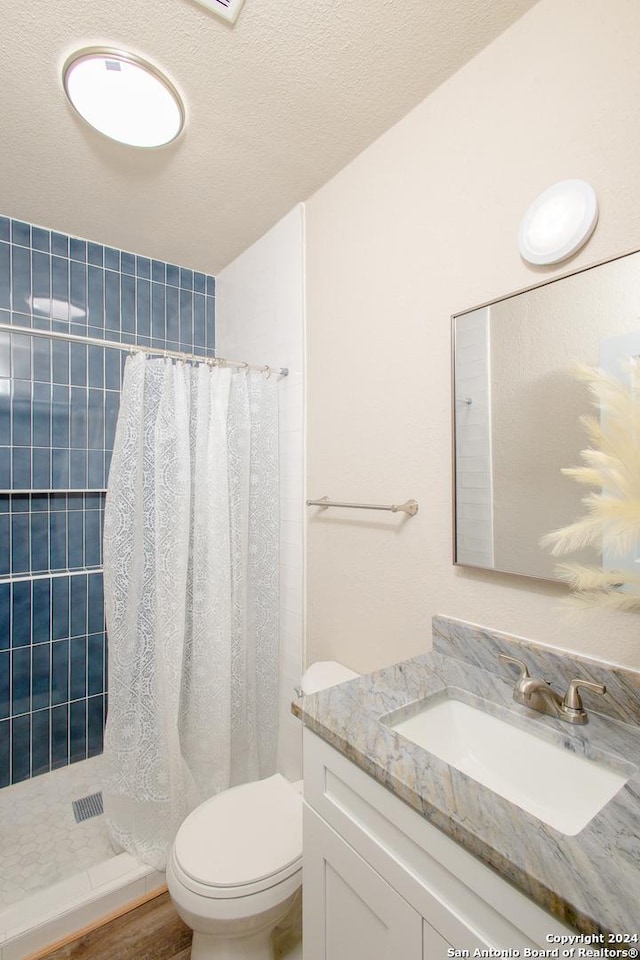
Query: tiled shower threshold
<point x="58" y="876"/>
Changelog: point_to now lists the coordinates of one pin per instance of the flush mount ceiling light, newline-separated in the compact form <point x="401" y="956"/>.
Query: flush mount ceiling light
<point x="123" y="96"/>
<point x="559" y="222"/>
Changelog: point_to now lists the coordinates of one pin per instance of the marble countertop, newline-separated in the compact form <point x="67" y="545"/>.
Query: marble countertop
<point x="591" y="881"/>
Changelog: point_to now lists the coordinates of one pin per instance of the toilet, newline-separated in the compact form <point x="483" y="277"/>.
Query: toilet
<point x="236" y="862"/>
<point x="235" y="866"/>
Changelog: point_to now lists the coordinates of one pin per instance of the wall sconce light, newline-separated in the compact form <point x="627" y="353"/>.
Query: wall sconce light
<point x="123" y="97"/>
<point x="558" y="223"/>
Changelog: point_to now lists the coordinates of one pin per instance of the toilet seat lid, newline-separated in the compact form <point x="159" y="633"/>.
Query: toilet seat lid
<point x="243" y="835"/>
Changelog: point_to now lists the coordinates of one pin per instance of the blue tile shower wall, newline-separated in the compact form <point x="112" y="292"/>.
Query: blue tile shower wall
<point x="58" y="409"/>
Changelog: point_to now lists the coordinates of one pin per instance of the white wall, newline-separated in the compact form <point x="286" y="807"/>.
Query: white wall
<point x="260" y="318"/>
<point x="422" y="225"/>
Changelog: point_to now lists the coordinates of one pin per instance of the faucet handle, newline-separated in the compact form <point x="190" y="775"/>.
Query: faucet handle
<point x="573" y="700"/>
<point x="524" y="670"/>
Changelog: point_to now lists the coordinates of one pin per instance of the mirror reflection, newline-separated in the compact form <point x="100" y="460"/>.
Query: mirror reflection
<point x="517" y="409"/>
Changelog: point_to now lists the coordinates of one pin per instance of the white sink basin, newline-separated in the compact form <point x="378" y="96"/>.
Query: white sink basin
<point x="554" y="784"/>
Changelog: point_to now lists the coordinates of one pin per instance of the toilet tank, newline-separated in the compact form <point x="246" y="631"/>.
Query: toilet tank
<point x="323" y="674"/>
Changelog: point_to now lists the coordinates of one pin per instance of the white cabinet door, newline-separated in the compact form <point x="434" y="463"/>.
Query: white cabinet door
<point x="350" y="912"/>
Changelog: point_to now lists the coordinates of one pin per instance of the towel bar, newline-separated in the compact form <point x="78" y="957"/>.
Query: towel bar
<point x="409" y="506"/>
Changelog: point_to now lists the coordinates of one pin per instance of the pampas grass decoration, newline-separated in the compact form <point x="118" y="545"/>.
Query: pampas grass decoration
<point x="611" y="463"/>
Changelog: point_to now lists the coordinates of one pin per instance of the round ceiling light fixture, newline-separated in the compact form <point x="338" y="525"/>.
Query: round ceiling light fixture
<point x="123" y="96"/>
<point x="559" y="222"/>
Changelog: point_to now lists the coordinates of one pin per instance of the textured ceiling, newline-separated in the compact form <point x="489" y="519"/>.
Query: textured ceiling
<point x="276" y="105"/>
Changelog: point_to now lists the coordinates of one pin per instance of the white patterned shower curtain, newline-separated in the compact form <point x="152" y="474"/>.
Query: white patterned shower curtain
<point x="191" y="595"/>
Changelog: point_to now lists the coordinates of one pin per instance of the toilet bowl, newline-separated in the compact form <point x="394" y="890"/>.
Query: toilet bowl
<point x="236" y="863"/>
<point x="235" y="866"/>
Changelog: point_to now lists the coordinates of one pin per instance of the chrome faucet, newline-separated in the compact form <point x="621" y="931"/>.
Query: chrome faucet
<point x="537" y="694"/>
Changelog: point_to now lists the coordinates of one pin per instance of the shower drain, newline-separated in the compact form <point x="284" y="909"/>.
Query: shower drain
<point x="88" y="807"/>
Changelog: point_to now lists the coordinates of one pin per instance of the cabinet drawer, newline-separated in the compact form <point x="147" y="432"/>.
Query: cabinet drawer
<point x="450" y="888"/>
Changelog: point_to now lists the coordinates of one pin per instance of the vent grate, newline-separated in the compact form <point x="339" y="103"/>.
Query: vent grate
<point x="88" y="807"/>
<point x="227" y="9"/>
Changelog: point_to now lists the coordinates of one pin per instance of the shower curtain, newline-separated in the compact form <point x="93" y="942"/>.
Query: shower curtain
<point x="191" y="595"/>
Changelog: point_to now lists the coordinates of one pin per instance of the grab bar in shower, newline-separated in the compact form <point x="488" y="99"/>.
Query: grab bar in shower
<point x="409" y="506"/>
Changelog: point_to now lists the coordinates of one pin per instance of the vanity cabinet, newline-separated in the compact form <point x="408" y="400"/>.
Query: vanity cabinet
<point x="382" y="883"/>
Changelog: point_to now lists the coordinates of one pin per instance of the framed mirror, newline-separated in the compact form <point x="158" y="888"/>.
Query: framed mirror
<point x="517" y="408"/>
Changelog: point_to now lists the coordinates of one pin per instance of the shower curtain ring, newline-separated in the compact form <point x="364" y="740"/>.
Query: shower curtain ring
<point x="266" y="372"/>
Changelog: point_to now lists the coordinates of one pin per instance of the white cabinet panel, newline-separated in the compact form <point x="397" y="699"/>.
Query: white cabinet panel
<point x="434" y="947"/>
<point x="350" y="912"/>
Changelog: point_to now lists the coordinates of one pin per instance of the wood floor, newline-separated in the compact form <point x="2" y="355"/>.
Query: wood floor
<point x="153" y="931"/>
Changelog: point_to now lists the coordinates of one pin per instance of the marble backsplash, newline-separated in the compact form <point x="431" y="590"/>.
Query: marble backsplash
<point x="481" y="647"/>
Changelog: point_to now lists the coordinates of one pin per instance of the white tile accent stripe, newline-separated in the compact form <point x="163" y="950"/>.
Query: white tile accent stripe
<point x="474" y="510"/>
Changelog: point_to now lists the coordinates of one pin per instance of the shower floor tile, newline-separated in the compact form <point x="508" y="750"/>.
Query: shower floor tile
<point x="40" y="841"/>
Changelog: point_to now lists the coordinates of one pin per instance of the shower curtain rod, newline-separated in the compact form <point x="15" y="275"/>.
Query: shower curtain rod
<point x="137" y="348"/>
